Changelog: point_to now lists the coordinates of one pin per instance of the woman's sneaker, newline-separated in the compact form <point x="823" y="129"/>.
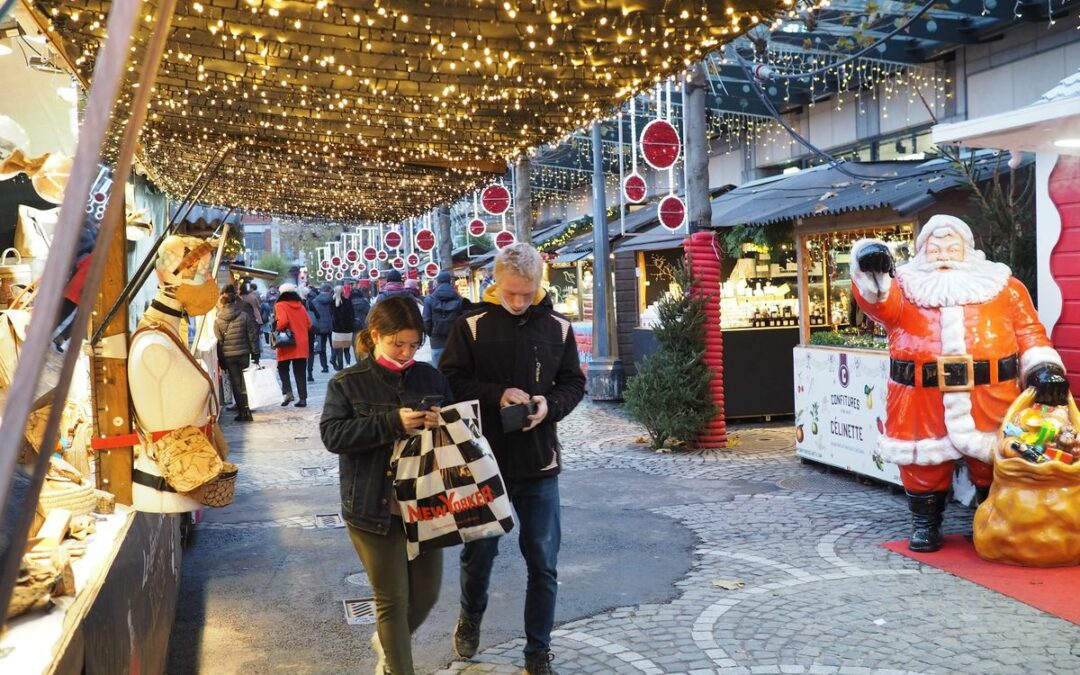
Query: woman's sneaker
<point x="539" y="664"/>
<point x="380" y="655"/>
<point x="467" y="635"/>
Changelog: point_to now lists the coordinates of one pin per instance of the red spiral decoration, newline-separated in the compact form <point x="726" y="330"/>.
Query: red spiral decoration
<point x="703" y="259"/>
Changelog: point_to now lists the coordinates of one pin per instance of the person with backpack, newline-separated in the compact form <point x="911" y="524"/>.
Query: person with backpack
<point x="324" y="321"/>
<point x="441" y="309"/>
<point x="341" y="337"/>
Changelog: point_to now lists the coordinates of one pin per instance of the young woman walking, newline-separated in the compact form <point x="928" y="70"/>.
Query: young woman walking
<point x="367" y="409"/>
<point x="289" y="312"/>
<point x="342" y="325"/>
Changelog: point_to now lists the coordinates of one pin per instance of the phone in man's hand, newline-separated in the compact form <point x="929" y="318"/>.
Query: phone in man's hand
<point x="516" y="417"/>
<point x="429" y="402"/>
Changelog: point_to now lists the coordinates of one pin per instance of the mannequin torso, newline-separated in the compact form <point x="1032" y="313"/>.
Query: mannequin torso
<point x="167" y="392"/>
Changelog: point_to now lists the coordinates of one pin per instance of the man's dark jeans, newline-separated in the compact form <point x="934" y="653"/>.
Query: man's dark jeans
<point x="536" y="503"/>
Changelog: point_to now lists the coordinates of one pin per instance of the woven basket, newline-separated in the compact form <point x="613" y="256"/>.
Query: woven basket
<point x="221" y="491"/>
<point x="79" y="499"/>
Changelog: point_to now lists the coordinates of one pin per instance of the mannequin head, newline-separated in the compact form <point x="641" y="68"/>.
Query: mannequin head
<point x="183" y="268"/>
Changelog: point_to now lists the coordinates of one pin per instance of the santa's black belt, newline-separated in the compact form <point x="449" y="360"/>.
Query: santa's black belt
<point x="961" y="373"/>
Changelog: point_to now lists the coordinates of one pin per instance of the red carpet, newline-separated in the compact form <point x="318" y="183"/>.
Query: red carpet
<point x="1053" y="590"/>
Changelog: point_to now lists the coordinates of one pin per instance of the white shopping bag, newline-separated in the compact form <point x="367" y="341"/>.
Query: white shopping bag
<point x="448" y="484"/>
<point x="262" y="386"/>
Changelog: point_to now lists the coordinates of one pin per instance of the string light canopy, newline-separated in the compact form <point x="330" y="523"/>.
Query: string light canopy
<point x="381" y="109"/>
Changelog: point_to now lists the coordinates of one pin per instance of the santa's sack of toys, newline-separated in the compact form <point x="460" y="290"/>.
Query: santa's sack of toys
<point x="1032" y="515"/>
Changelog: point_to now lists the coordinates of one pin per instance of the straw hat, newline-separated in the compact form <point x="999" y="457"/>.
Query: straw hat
<point x="51" y="180"/>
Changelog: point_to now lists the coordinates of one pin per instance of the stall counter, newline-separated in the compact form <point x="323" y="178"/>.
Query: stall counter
<point x="840" y="409"/>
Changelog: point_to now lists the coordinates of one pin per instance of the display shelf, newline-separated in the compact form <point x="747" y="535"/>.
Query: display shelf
<point x="36" y="642"/>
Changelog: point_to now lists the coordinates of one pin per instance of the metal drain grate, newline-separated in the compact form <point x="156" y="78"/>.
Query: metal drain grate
<point x="328" y="521"/>
<point x="359" y="612"/>
<point x="312" y="471"/>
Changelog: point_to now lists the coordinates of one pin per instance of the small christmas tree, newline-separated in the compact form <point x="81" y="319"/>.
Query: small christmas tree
<point x="670" y="394"/>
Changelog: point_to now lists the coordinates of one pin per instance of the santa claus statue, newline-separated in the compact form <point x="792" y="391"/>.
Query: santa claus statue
<point x="964" y="338"/>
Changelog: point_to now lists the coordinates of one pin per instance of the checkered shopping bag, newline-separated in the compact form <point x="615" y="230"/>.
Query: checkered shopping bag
<point x="448" y="483"/>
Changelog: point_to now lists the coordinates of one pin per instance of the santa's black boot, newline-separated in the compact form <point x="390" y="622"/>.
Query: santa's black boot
<point x="927" y="510"/>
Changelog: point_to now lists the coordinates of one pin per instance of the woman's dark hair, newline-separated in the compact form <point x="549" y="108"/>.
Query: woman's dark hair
<point x="389" y="317"/>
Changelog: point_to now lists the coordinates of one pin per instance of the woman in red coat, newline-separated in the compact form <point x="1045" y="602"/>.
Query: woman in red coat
<point x="289" y="313"/>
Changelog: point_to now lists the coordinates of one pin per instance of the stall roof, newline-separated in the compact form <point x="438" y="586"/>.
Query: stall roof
<point x="571" y="257"/>
<point x="903" y="186"/>
<point x="339" y="110"/>
<point x="1039" y="127"/>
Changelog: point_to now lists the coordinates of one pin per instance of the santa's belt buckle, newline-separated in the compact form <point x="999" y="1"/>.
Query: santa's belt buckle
<point x="956" y="373"/>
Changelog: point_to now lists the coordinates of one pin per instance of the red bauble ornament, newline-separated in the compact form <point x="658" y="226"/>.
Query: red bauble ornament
<point x="425" y="240"/>
<point x="660" y="144"/>
<point x="325" y="264"/>
<point x="392" y="239"/>
<point x="383" y="255"/>
<point x="672" y="212"/>
<point x="373" y="273"/>
<point x="431" y="270"/>
<point x="477" y="227"/>
<point x="370" y="254"/>
<point x="634" y="188"/>
<point x="352" y="255"/>
<point x="504" y="239"/>
<point x="413" y="260"/>
<point x="495" y="199"/>
<point x="335" y="261"/>
<point x="398" y="263"/>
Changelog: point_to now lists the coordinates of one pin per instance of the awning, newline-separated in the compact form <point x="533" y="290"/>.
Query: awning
<point x="254" y="272"/>
<point x="567" y="258"/>
<point x="655" y="238"/>
<point x="902" y="186"/>
<point x="1051" y="124"/>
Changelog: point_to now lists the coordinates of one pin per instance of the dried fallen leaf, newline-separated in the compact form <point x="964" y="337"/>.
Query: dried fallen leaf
<point x="641" y="439"/>
<point x="733" y="441"/>
<point x="728" y="584"/>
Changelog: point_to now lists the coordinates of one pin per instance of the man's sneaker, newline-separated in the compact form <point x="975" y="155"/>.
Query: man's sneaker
<point x="539" y="664"/>
<point x="380" y="655"/>
<point x="467" y="635"/>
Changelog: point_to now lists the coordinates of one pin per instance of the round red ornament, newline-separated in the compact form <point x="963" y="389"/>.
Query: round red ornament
<point x="495" y="199"/>
<point x="325" y="264"/>
<point x="373" y="273"/>
<point x="398" y="263"/>
<point x="431" y="270"/>
<point x="672" y="212"/>
<point x="335" y="261"/>
<point x="660" y="144"/>
<point x="425" y="240"/>
<point x="413" y="260"/>
<point x="352" y="256"/>
<point x="477" y="227"/>
<point x="370" y="253"/>
<point x="634" y="188"/>
<point x="392" y="239"/>
<point x="504" y="239"/>
<point x="383" y="255"/>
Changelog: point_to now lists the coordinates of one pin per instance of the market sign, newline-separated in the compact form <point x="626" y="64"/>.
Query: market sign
<point x="504" y="239"/>
<point x="425" y="240"/>
<point x="431" y="270"/>
<point x="660" y="144"/>
<point x="672" y="212"/>
<point x="634" y="188"/>
<point x="840" y="409"/>
<point x="392" y="240"/>
<point x="495" y="199"/>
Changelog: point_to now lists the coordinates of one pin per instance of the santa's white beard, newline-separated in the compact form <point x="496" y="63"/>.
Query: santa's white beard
<point x="947" y="283"/>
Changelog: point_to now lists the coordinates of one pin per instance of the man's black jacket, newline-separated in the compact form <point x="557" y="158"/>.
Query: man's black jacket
<point x="489" y="350"/>
<point x="360" y="423"/>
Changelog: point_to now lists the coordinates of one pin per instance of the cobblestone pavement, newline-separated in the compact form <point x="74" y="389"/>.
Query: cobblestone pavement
<point x="787" y="574"/>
